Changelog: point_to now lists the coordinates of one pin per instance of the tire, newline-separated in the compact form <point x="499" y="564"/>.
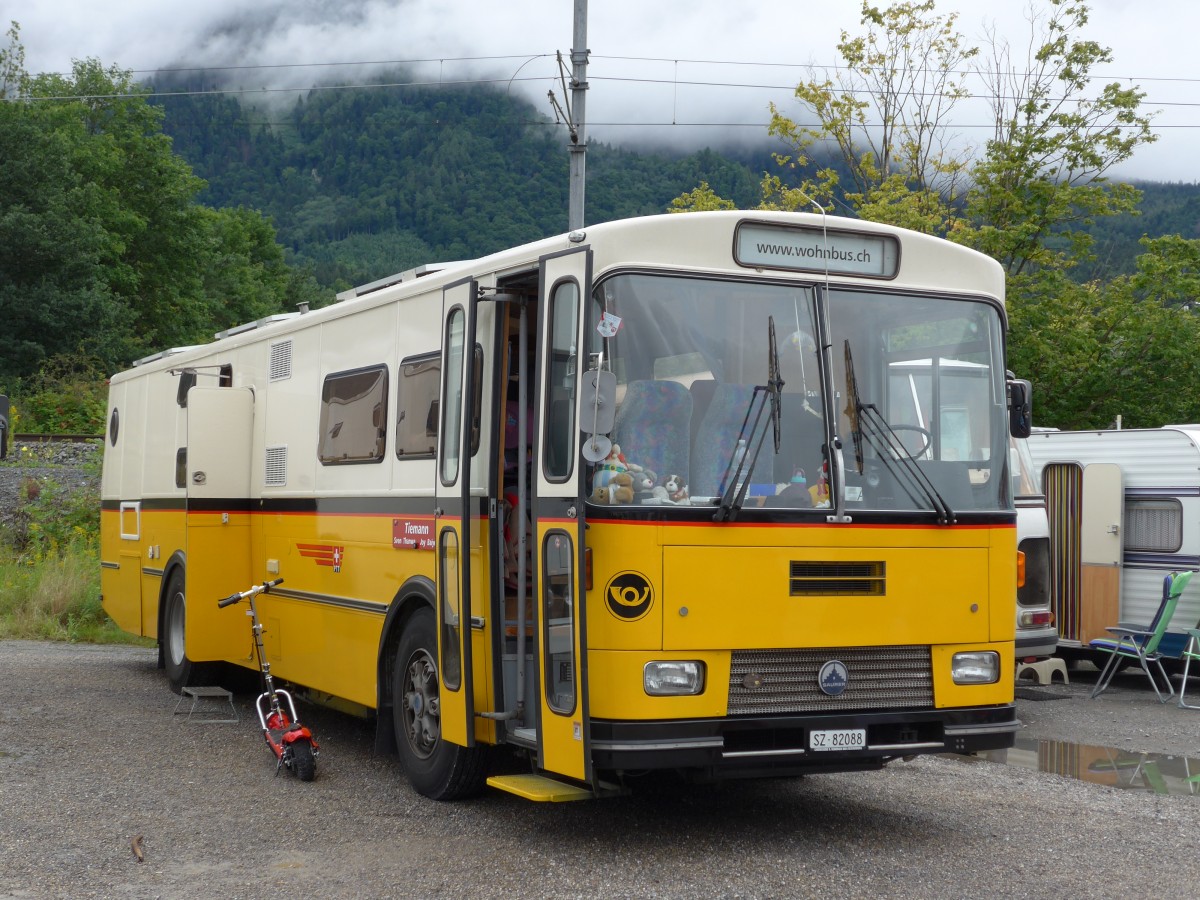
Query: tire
<point x="437" y="769"/>
<point x="181" y="671"/>
<point x="303" y="764"/>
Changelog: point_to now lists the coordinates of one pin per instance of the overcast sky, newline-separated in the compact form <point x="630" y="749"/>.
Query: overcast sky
<point x="658" y="68"/>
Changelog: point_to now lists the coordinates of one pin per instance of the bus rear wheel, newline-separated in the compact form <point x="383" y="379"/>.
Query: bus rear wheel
<point x="436" y="768"/>
<point x="181" y="671"/>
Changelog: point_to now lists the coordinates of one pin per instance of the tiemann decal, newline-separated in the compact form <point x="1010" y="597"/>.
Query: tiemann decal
<point x="323" y="554"/>
<point x="412" y="534"/>
<point x="629" y="596"/>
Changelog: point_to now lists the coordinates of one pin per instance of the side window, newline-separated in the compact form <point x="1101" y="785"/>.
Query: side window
<point x="452" y="396"/>
<point x="558" y="442"/>
<point x="417" y="406"/>
<point x="353" y="416"/>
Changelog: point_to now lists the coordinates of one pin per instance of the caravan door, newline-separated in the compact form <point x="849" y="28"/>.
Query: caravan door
<point x="1084" y="505"/>
<point x="1100" y="546"/>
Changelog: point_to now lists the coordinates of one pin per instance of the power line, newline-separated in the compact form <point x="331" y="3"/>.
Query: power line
<point x="480" y="81"/>
<point x="414" y="61"/>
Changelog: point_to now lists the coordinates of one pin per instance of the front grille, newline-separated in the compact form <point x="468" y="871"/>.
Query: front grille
<point x="785" y="681"/>
<point x="842" y="579"/>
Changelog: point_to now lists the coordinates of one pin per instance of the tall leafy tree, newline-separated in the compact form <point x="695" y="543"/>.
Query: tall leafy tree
<point x="1043" y="175"/>
<point x="104" y="253"/>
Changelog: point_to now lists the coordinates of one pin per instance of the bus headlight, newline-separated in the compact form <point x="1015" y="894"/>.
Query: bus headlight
<point x="669" y="678"/>
<point x="976" y="667"/>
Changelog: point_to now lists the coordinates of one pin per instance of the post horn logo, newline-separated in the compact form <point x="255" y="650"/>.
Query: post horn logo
<point x="629" y="596"/>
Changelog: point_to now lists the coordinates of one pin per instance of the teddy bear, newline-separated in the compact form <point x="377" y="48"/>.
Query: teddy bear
<point x="676" y="489"/>
<point x="616" y="491"/>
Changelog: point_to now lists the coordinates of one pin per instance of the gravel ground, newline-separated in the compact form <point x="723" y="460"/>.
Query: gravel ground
<point x="91" y="757"/>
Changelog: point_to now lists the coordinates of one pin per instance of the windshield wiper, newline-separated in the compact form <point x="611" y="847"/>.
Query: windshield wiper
<point x="889" y="448"/>
<point x="866" y="421"/>
<point x="765" y="397"/>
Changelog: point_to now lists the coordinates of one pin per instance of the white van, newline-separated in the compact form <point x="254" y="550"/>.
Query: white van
<point x="1037" y="634"/>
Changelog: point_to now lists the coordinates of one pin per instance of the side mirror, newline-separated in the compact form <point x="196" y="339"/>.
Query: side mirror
<point x="597" y="412"/>
<point x="187" y="381"/>
<point x="1020" y="408"/>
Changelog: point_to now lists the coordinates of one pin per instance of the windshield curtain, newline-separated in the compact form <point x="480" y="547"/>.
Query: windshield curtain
<point x="688" y="354"/>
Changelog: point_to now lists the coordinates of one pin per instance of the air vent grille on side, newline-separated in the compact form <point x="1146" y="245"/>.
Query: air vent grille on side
<point x="276" y="469"/>
<point x="281" y="360"/>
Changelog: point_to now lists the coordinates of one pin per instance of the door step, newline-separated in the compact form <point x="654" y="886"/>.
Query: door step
<point x="540" y="788"/>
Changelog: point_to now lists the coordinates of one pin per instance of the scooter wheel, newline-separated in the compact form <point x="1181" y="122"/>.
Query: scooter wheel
<point x="303" y="764"/>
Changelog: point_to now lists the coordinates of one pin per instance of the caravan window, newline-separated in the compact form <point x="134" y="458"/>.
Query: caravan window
<point x="353" y="413"/>
<point x="1154" y="525"/>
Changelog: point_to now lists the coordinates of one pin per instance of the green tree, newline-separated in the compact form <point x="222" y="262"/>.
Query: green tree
<point x="1042" y="177"/>
<point x="887" y="114"/>
<point x="1127" y="347"/>
<point x="104" y="253"/>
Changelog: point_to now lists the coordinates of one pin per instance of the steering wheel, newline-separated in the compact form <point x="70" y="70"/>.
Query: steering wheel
<point x="917" y="429"/>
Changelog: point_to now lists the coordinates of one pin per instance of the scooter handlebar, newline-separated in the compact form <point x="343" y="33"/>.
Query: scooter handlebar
<point x="257" y="589"/>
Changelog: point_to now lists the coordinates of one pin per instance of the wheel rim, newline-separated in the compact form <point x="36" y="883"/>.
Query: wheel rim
<point x="421" y="706"/>
<point x="175" y="619"/>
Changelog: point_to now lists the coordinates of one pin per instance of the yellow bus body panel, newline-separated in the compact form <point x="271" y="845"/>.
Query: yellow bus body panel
<point x="716" y="590"/>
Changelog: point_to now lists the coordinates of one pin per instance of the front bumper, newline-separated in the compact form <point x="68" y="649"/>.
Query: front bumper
<point x="756" y="746"/>
<point x="1039" y="642"/>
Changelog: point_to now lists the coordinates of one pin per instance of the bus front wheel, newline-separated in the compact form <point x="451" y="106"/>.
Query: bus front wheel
<point x="436" y="768"/>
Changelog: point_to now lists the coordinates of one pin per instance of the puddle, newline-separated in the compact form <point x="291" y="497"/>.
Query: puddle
<point x="1154" y="772"/>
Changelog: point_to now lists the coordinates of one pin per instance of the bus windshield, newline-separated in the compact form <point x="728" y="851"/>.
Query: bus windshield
<point x="912" y="386"/>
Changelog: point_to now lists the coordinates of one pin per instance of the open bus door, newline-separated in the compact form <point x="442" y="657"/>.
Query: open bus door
<point x="562" y="739"/>
<point x="456" y="527"/>
<point x="220" y="433"/>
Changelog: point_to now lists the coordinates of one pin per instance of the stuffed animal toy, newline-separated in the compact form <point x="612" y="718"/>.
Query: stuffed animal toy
<point x="646" y="487"/>
<point x="676" y="488"/>
<point x="615" y="492"/>
<point x="609" y="467"/>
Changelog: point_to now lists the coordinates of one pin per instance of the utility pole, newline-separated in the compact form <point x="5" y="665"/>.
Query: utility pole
<point x="578" y="146"/>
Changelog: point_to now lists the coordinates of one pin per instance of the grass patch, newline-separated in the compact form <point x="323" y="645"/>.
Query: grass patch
<point x="50" y="566"/>
<point x="56" y="598"/>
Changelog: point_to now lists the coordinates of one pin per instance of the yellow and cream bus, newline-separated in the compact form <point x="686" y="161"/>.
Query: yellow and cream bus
<point x="655" y="495"/>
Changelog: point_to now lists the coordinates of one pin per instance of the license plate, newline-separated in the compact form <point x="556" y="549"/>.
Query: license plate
<point x="838" y="739"/>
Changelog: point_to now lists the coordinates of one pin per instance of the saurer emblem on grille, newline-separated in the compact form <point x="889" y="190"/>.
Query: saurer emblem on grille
<point x="833" y="677"/>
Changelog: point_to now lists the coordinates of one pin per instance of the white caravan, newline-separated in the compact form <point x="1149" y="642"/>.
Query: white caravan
<point x="1124" y="511"/>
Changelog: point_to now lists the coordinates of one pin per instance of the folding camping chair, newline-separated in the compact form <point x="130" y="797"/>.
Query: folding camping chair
<point x="1142" y="643"/>
<point x="1190" y="652"/>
